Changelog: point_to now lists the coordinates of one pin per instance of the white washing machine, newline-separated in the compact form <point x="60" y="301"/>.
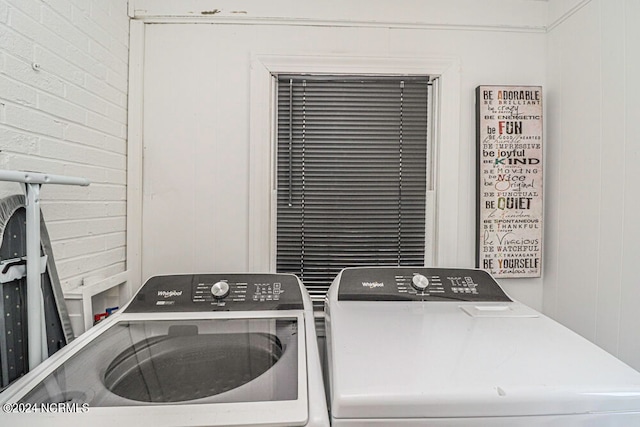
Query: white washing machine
<point x="188" y="350"/>
<point x="447" y="347"/>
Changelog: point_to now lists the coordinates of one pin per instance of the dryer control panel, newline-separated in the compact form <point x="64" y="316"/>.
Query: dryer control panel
<point x="218" y="292"/>
<point x="418" y="284"/>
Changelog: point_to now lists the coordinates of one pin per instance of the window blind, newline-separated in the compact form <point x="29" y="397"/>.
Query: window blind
<point x="351" y="174"/>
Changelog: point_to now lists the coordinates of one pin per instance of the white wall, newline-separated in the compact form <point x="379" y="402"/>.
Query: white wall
<point x="197" y="106"/>
<point x="591" y="282"/>
<point x="69" y="117"/>
<point x="559" y="10"/>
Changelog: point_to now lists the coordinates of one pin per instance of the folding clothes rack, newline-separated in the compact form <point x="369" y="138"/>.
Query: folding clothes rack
<point x="33" y="182"/>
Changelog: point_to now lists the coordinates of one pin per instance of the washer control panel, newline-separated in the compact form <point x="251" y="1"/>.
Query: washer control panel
<point x="218" y="292"/>
<point x="418" y="284"/>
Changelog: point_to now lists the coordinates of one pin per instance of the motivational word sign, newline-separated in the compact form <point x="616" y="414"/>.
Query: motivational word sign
<point x="509" y="180"/>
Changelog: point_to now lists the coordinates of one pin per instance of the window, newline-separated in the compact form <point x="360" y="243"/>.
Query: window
<point x="353" y="165"/>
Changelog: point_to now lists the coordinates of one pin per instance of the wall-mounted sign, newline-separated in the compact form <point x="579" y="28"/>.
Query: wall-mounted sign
<point x="509" y="180"/>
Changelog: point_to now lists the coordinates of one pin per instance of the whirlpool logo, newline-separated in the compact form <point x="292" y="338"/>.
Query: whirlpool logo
<point x="372" y="285"/>
<point x="169" y="294"/>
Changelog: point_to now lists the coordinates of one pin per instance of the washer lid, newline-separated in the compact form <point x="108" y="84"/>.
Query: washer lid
<point x="219" y="368"/>
<point x="394" y="359"/>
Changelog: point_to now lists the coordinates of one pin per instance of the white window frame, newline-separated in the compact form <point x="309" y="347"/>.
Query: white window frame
<point x="442" y="251"/>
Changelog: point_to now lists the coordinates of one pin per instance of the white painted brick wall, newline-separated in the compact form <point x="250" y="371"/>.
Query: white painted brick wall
<point x="69" y="117"/>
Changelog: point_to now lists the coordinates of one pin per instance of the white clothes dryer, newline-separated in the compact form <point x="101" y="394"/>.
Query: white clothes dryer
<point x="188" y="350"/>
<point x="411" y="346"/>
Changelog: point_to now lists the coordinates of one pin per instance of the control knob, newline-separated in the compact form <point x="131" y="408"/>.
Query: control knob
<point x="420" y="282"/>
<point x="220" y="290"/>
